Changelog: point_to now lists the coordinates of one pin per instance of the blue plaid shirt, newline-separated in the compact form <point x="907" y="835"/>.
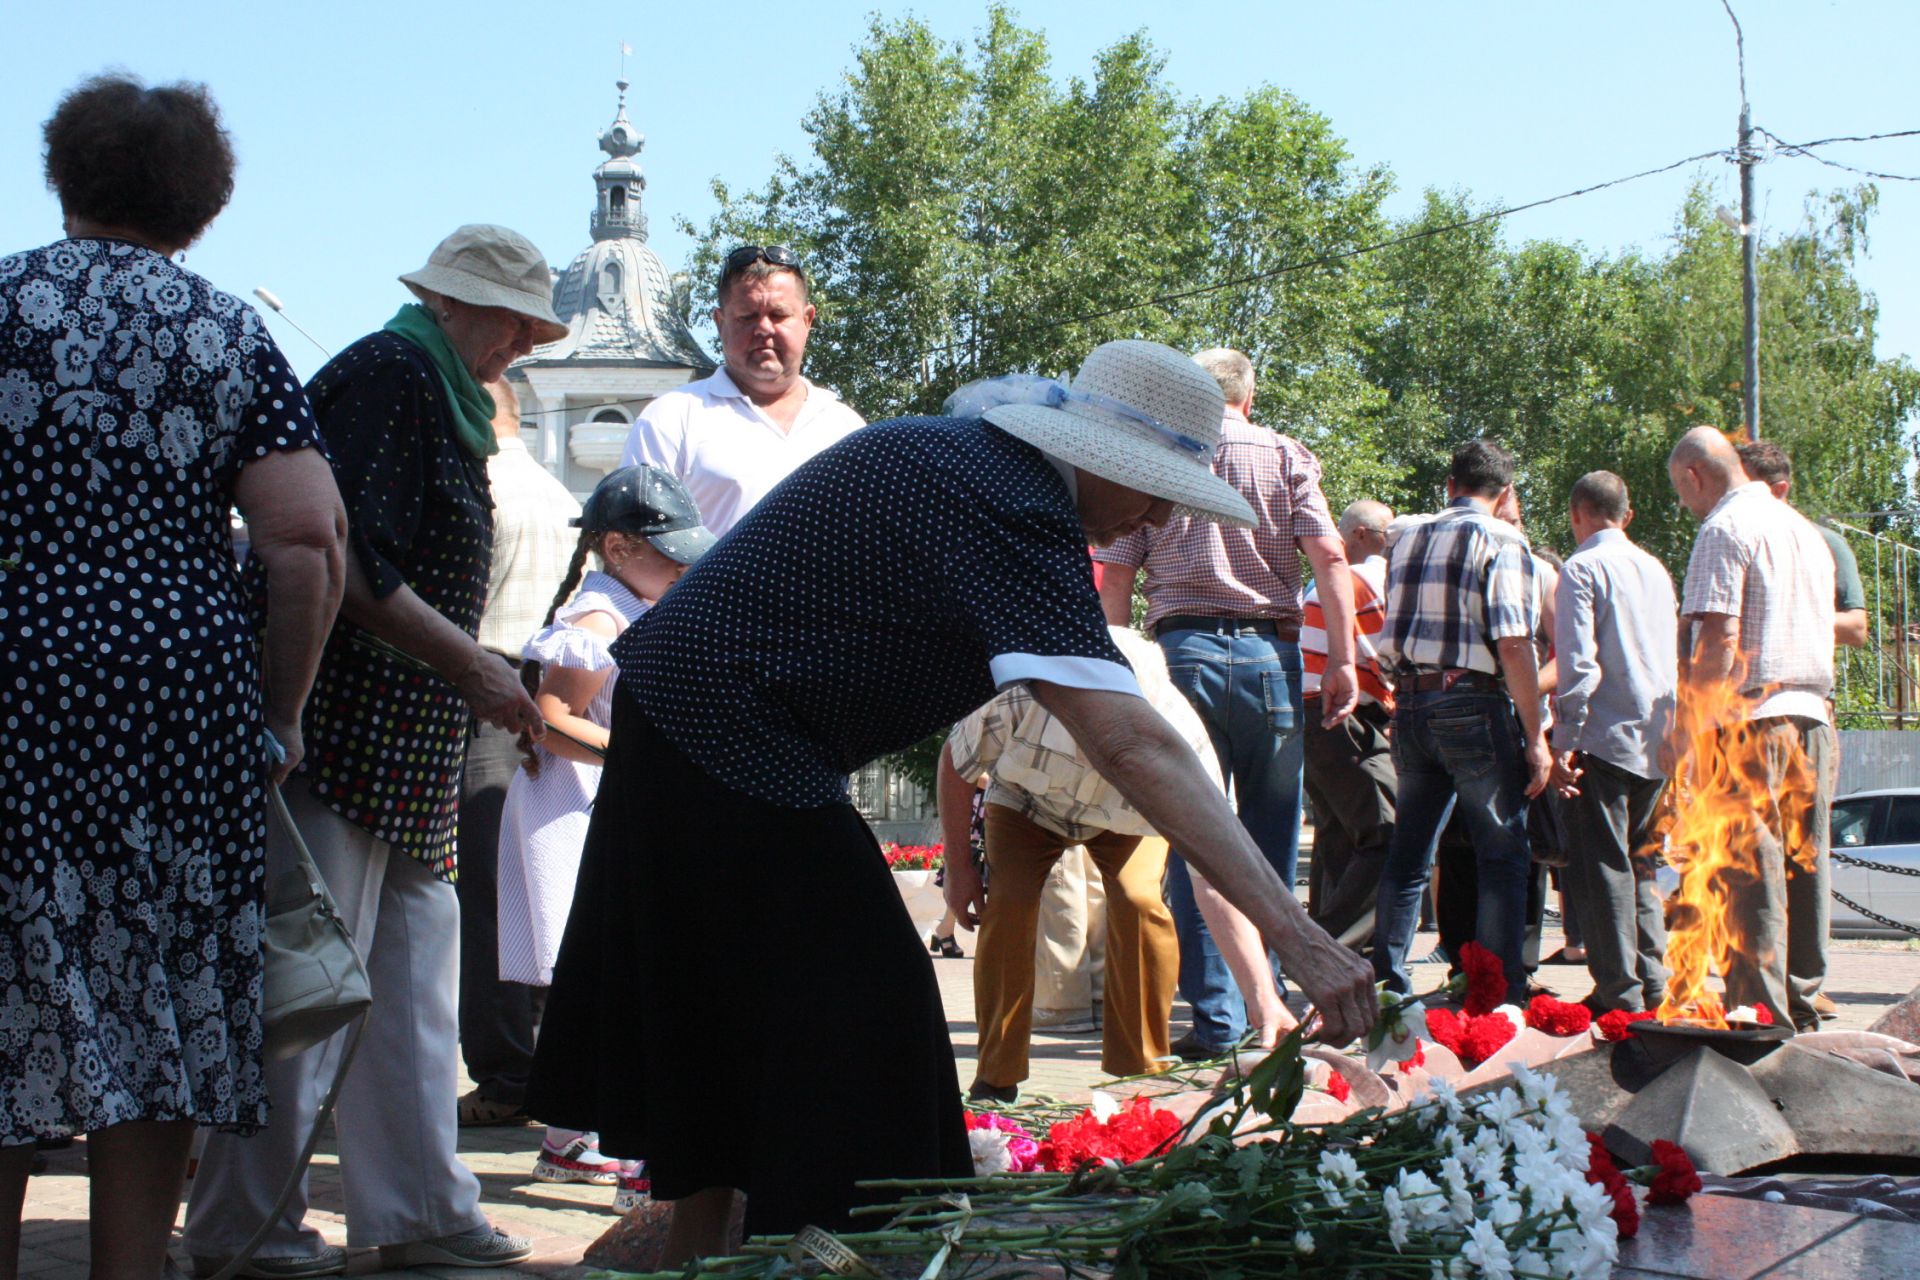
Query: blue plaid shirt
<point x="1455" y="586"/>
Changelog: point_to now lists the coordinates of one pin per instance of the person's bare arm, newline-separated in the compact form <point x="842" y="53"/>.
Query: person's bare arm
<point x="954" y="795"/>
<point x="1339" y="686"/>
<point x="1116" y="594"/>
<point x="298" y="529"/>
<point x="1135" y="748"/>
<point x="567" y="692"/>
<point x="1245" y="953"/>
<point x="1850" y="628"/>
<point x="408" y="623"/>
<point x="1521" y="673"/>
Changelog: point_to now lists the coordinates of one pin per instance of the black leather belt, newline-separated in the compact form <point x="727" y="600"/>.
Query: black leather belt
<point x="1224" y="626"/>
<point x="1439" y="681"/>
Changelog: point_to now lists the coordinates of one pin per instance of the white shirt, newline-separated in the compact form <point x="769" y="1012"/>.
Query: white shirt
<point x="724" y="447"/>
<point x="532" y="547"/>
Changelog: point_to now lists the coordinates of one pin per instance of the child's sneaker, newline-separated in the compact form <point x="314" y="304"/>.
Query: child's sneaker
<point x="577" y="1160"/>
<point x="636" y="1188"/>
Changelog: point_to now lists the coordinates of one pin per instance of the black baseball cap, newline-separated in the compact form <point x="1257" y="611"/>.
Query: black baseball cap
<point x="649" y="503"/>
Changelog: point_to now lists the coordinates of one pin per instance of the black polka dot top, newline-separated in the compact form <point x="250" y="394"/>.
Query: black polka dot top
<point x="857" y="608"/>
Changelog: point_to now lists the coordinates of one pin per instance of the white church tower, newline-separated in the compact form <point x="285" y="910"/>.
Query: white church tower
<point x="627" y="331"/>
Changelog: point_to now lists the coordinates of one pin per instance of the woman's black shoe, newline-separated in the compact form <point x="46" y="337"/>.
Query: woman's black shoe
<point x="948" y="948"/>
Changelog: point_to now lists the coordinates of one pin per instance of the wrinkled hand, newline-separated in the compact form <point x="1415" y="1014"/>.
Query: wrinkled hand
<point x="529" y="758"/>
<point x="1566" y="777"/>
<point x="1539" y="764"/>
<point x="287" y="734"/>
<point x="493" y="689"/>
<point x="1337" y="980"/>
<point x="1339" y="694"/>
<point x="966" y="895"/>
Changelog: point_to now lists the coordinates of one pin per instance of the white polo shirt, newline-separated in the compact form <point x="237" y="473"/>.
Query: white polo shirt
<point x="725" y="449"/>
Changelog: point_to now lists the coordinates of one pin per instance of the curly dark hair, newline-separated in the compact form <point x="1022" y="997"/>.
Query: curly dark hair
<point x="157" y="161"/>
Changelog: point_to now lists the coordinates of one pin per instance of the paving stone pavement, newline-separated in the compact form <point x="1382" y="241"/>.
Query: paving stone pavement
<point x="563" y="1220"/>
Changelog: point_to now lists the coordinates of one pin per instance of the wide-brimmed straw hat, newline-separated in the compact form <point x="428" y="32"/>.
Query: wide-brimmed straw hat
<point x="490" y="266"/>
<point x="1141" y="415"/>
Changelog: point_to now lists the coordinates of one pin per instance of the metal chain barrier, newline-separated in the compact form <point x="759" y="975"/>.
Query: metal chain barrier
<point x="1874" y="916"/>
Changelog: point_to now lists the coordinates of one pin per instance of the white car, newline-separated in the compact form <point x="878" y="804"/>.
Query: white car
<point x="1877" y="826"/>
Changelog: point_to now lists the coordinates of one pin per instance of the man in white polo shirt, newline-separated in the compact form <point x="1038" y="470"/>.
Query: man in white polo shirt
<point x="732" y="437"/>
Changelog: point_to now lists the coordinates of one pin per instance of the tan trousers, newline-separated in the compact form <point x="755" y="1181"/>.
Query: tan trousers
<point x="1143" y="954"/>
<point x="1070" y="946"/>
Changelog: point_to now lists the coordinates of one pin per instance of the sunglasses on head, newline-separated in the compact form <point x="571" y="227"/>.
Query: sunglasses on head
<point x="748" y="254"/>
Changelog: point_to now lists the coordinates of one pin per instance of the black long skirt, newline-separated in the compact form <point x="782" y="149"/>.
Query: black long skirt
<point x="741" y="999"/>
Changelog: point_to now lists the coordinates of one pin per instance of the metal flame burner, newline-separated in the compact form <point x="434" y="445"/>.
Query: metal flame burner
<point x="1667" y="1042"/>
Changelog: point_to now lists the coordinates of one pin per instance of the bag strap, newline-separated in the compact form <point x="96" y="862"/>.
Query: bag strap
<point x="325" y="1110"/>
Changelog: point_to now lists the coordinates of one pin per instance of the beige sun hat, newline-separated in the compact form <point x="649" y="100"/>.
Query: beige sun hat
<point x="1141" y="415"/>
<point x="490" y="266"/>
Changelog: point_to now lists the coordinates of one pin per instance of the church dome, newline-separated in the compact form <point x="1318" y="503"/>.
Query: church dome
<point x="617" y="299"/>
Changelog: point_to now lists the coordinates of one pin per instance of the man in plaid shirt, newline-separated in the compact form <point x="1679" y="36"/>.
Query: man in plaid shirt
<point x="1225" y="605"/>
<point x="1461" y="617"/>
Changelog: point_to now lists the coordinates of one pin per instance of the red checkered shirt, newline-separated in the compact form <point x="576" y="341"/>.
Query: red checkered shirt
<point x="1197" y="566"/>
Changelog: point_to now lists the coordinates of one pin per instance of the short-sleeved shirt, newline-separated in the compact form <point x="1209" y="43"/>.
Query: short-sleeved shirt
<point x="1039" y="771"/>
<point x="532" y="547"/>
<point x="132" y="392"/>
<point x="725" y="449"/>
<point x="386" y="741"/>
<point x="1198" y="566"/>
<point x="1849" y="593"/>
<point x="887" y="588"/>
<point x="1758" y="560"/>
<point x="1369" y="616"/>
<point x="1456" y="585"/>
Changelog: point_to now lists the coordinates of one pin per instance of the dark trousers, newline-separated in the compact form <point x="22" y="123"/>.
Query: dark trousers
<point x="497" y="1019"/>
<point x="1621" y="917"/>
<point x="1350" y="783"/>
<point x="1457" y="905"/>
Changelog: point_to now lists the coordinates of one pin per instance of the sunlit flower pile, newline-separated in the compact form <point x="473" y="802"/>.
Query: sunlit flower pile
<point x="913" y="857"/>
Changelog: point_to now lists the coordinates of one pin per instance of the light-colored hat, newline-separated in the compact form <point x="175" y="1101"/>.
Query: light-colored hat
<point x="1139" y="414"/>
<point x="490" y="266"/>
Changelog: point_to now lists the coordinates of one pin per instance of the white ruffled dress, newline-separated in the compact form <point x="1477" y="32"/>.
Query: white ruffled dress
<point x="545" y="821"/>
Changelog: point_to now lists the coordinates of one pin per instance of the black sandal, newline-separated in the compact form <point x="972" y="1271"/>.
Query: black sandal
<point x="948" y="948"/>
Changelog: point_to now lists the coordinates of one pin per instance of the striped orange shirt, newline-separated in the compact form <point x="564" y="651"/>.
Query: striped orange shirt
<point x="1369" y="617"/>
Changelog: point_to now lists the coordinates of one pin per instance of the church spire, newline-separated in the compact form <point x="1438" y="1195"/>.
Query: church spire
<point x="619" y="181"/>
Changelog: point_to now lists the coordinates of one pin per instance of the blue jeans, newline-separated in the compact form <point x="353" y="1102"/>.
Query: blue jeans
<point x="1246" y="687"/>
<point x="1466" y="746"/>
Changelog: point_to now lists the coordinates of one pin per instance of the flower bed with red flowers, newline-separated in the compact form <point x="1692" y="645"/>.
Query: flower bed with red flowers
<point x="914" y="857"/>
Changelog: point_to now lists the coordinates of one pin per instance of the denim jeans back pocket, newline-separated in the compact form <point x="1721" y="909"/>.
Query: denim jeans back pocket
<point x="1463" y="739"/>
<point x="1282" y="690"/>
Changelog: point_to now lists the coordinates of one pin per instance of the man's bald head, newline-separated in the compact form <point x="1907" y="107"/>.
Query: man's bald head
<point x="1703" y="467"/>
<point x="506" y="410"/>
<point x="1363" y="528"/>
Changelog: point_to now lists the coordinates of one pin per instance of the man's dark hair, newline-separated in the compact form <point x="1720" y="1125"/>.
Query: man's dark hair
<point x="156" y="161"/>
<point x="1602" y="495"/>
<point x="761" y="271"/>
<point x="1481" y="468"/>
<point x="1765" y="461"/>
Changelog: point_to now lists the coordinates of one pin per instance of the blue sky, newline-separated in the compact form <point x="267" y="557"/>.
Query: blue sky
<point x="366" y="131"/>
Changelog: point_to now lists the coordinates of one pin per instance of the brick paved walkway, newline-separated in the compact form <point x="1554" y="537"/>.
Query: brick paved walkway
<point x="564" y="1220"/>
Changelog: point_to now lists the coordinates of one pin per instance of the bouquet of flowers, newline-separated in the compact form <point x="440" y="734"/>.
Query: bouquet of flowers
<point x="1500" y="1184"/>
<point x="913" y="857"/>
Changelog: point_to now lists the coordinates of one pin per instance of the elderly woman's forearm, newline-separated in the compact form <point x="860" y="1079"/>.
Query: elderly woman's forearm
<point x="408" y="623"/>
<point x="304" y="587"/>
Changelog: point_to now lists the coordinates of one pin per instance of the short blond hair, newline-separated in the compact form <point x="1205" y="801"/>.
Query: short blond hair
<point x="1231" y="369"/>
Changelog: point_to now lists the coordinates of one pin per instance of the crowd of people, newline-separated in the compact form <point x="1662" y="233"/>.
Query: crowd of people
<point x="575" y="775"/>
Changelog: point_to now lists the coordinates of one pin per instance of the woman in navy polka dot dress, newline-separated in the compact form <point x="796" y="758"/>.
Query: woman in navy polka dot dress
<point x="138" y="405"/>
<point x="740" y="996"/>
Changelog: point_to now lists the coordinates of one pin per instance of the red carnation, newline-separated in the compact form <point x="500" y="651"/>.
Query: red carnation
<point x="1617" y="1024"/>
<point x="1486" y="978"/>
<point x="1557" y="1017"/>
<point x="1446" y="1029"/>
<point x="1337" y="1086"/>
<point x="1419" y="1058"/>
<point x="1135" y="1132"/>
<point x="1602" y="1172"/>
<point x="1675" y="1178"/>
<point x="1600" y="1165"/>
<point x="1625" y="1213"/>
<point x="1484" y="1037"/>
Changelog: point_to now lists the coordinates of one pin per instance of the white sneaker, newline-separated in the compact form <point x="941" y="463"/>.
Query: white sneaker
<point x="577" y="1161"/>
<point x="636" y="1188"/>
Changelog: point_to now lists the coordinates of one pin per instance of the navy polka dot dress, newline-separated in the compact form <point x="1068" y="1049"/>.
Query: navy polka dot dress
<point x="131" y="757"/>
<point x="741" y="998"/>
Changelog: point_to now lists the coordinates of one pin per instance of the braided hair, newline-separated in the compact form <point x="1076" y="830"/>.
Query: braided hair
<point x="576" y="570"/>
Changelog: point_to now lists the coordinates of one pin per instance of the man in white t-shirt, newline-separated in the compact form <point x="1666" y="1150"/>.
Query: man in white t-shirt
<point x="733" y="436"/>
<point x="1759" y="603"/>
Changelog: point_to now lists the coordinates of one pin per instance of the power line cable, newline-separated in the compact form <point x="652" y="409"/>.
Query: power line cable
<point x="1289" y="268"/>
<point x="1800" y="149"/>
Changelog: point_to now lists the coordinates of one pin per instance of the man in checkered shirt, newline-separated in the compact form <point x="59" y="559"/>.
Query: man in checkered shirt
<point x="1225" y="605"/>
<point x="1759" y="602"/>
<point x="1461" y="616"/>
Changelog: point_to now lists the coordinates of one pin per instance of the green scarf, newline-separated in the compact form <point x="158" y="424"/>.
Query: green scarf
<point x="472" y="406"/>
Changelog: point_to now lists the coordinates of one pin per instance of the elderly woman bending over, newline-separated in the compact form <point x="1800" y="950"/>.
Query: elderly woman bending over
<point x="410" y="428"/>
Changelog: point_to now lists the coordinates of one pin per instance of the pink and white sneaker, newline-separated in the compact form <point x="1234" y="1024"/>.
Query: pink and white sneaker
<point x="636" y="1188"/>
<point x="568" y="1156"/>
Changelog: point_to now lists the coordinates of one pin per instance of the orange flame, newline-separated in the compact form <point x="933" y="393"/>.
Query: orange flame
<point x="1722" y="804"/>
